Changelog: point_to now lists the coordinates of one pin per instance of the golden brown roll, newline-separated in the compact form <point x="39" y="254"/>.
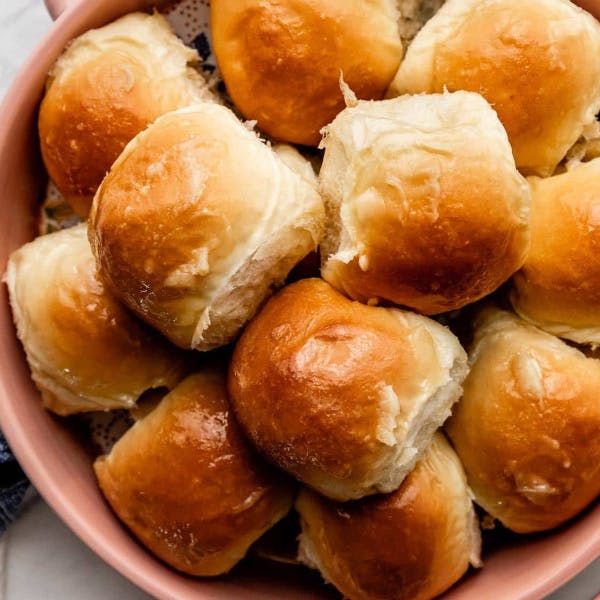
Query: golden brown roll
<point x="282" y="59"/>
<point x="536" y="62"/>
<point x="527" y="429"/>
<point x="558" y="288"/>
<point x="106" y="87"/>
<point x="86" y="352"/>
<point x="197" y="221"/>
<point x="425" y="206"/>
<point x="186" y="483"/>
<point x="343" y="396"/>
<point x="410" y="545"/>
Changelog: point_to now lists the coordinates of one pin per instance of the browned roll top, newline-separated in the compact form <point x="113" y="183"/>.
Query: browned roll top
<point x="528" y="426"/>
<point x="186" y="483"/>
<point x="282" y="59"/>
<point x="425" y="206"/>
<point x="536" y="62"/>
<point x="412" y="544"/>
<point x="345" y="397"/>
<point x="107" y="86"/>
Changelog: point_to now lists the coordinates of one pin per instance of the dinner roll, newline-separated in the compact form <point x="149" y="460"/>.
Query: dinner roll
<point x="536" y="62"/>
<point x="558" y="288"/>
<point x="410" y="545"/>
<point x="343" y="396"/>
<point x="527" y="429"/>
<point x="425" y="206"/>
<point x="106" y="87"/>
<point x="281" y="60"/>
<point x="85" y="351"/>
<point x="197" y="221"/>
<point x="186" y="483"/>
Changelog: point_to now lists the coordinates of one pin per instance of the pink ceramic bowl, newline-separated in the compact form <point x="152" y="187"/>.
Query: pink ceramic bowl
<point x="59" y="465"/>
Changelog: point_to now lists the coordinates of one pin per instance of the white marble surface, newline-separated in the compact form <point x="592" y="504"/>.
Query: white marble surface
<point x="22" y="25"/>
<point x="42" y="559"/>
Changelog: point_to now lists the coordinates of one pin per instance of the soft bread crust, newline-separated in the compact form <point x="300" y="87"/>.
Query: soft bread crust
<point x="281" y="59"/>
<point x="558" y="288"/>
<point x="410" y="545"/>
<point x="186" y="483"/>
<point x="86" y="351"/>
<point x="296" y="162"/>
<point x="525" y="58"/>
<point x="345" y="397"/>
<point x="527" y="429"/>
<point x="425" y="206"/>
<point x="197" y="221"/>
<point x="105" y="88"/>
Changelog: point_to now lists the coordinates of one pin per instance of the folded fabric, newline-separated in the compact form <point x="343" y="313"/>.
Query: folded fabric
<point x="13" y="486"/>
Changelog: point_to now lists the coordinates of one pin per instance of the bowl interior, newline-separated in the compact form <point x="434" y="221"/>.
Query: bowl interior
<point x="59" y="464"/>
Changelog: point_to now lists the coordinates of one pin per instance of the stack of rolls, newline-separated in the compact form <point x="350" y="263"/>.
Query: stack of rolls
<point x="332" y="394"/>
<point x="525" y="58"/>
<point x="108" y="85"/>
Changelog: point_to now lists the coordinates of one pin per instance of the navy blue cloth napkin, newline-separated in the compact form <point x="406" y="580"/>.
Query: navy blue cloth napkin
<point x="13" y="485"/>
